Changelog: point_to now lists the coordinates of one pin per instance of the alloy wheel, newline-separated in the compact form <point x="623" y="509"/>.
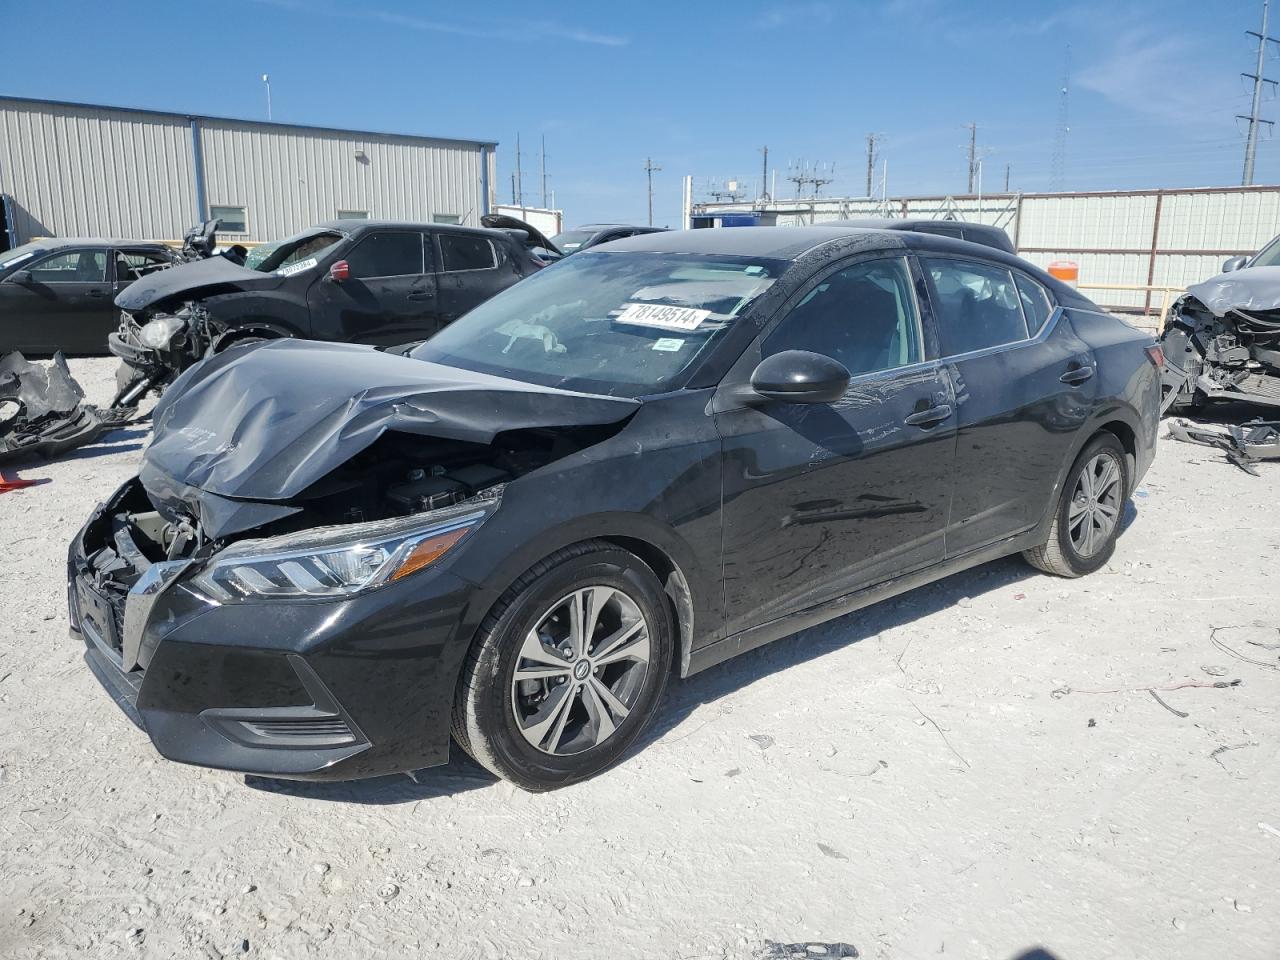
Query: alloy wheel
<point x="1095" y="505"/>
<point x="580" y="670"/>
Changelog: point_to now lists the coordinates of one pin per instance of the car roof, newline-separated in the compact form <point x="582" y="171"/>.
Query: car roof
<point x="58" y="243"/>
<point x="777" y="243"/>
<point x="353" y="226"/>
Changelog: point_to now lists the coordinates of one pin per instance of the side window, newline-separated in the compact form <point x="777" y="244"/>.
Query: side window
<point x="462" y="252"/>
<point x="131" y="266"/>
<point x="978" y="305"/>
<point x="75" y="266"/>
<point x="1036" y="305"/>
<point x="386" y="255"/>
<point x="864" y="316"/>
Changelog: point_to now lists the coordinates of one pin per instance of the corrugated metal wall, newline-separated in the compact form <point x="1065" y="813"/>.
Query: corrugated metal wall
<point x="1111" y="236"/>
<point x="288" y="179"/>
<point x="78" y="170"/>
<point x="72" y="171"/>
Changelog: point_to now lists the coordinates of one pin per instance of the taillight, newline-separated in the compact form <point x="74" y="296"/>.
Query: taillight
<point x="1155" y="355"/>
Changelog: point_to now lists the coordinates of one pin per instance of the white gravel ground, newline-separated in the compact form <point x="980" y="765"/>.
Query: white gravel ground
<point x="913" y="780"/>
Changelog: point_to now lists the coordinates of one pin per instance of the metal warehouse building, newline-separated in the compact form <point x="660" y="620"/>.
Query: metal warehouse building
<point x="76" y="169"/>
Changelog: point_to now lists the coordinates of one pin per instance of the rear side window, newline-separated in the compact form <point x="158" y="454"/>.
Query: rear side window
<point x="864" y="316"/>
<point x="1036" y="305"/>
<point x="386" y="255"/>
<point x="978" y="305"/>
<point x="77" y="266"/>
<point x="466" y="253"/>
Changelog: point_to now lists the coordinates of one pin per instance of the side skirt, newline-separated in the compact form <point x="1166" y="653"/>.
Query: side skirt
<point x="729" y="647"/>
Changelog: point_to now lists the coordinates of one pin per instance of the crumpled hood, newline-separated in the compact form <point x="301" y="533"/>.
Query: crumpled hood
<point x="266" y="422"/>
<point x="188" y="279"/>
<point x="1253" y="288"/>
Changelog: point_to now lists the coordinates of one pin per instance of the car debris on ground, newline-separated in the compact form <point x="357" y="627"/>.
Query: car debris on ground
<point x="42" y="412"/>
<point x="1243" y="444"/>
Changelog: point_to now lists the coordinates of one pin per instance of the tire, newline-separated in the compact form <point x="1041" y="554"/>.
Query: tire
<point x="1067" y="552"/>
<point x="555" y="725"/>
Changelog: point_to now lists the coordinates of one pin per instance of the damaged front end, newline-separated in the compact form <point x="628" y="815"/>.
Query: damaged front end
<point x="155" y="351"/>
<point x="42" y="413"/>
<point x="1222" y="342"/>
<point x="283" y="566"/>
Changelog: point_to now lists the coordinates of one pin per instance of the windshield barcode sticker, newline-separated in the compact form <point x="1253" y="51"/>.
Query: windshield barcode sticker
<point x="662" y="316"/>
<point x="298" y="267"/>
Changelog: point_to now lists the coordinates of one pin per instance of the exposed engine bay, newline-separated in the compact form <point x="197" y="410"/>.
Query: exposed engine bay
<point x="1222" y="341"/>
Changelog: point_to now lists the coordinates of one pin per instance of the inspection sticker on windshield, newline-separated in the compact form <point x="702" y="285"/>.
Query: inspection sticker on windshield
<point x="298" y="267"/>
<point x="669" y="344"/>
<point x="662" y="316"/>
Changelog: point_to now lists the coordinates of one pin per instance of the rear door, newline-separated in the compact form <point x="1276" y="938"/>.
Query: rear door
<point x="1024" y="385"/>
<point x="389" y="296"/>
<point x="472" y="269"/>
<point x="824" y="499"/>
<point x="66" y="305"/>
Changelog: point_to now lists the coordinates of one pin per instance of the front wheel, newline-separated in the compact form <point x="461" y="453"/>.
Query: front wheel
<point x="567" y="669"/>
<point x="1086" y="520"/>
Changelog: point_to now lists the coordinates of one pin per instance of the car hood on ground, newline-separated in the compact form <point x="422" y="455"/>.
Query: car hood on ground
<point x="1253" y="288"/>
<point x="263" y="423"/>
<point x="188" y="279"/>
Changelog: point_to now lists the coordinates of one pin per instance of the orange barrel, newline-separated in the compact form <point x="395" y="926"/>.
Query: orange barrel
<point x="1068" y="271"/>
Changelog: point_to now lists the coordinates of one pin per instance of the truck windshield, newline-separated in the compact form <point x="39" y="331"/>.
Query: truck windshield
<point x="621" y="324"/>
<point x="292" y="252"/>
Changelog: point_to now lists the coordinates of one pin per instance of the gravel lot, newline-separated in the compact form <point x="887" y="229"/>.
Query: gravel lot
<point x="926" y="777"/>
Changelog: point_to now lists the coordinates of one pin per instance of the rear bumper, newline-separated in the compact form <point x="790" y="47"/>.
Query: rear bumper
<point x="317" y="690"/>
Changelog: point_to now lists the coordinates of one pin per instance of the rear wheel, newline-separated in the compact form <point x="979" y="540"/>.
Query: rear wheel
<point x="1086" y="521"/>
<point x="567" y="669"/>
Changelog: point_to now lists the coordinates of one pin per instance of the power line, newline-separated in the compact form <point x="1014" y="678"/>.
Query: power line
<point x="1258" y="79"/>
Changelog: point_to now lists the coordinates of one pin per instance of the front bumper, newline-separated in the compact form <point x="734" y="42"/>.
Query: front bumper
<point x="319" y="690"/>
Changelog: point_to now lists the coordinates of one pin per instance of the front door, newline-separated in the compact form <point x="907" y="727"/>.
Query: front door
<point x="1024" y="385"/>
<point x="388" y="298"/>
<point x="823" y="499"/>
<point x="64" y="303"/>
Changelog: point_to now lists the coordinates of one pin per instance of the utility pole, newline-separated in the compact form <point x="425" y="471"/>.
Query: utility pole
<point x="1258" y="79"/>
<point x="872" y="139"/>
<point x="1058" y="162"/>
<point x="649" y="170"/>
<point x="973" y="153"/>
<point x="764" y="177"/>
<point x="1008" y="169"/>
<point x="542" y="169"/>
<point x="519" y="197"/>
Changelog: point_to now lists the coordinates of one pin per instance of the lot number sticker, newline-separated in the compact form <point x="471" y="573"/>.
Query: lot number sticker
<point x="661" y="316"/>
<point x="298" y="267"/>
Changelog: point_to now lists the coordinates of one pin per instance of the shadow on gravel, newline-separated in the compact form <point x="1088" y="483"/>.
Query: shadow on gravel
<point x="683" y="697"/>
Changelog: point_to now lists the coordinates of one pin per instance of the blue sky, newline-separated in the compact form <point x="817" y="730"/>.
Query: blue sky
<point x="699" y="87"/>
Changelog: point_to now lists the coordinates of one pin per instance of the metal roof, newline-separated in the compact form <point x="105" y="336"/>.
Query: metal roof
<point x="302" y="127"/>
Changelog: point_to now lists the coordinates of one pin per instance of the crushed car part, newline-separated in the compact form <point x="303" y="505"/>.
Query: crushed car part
<point x="42" y="413"/>
<point x="1222" y="341"/>
<point x="1244" y="444"/>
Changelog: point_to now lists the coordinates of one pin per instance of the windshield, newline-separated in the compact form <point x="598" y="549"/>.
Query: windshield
<point x="290" y="255"/>
<point x="571" y="240"/>
<point x="1269" y="256"/>
<point x="621" y="324"/>
<point x="11" y="258"/>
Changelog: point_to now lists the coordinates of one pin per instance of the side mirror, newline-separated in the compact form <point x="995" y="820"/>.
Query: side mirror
<point x="798" y="376"/>
<point x="22" y="276"/>
<point x="1235" y="263"/>
<point x="341" y="270"/>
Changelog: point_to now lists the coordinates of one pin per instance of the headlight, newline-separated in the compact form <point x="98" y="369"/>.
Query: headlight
<point x="157" y="334"/>
<point x="334" y="561"/>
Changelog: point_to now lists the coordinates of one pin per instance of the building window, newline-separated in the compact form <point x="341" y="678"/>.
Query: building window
<point x="234" y="219"/>
<point x="445" y="218"/>
<point x="353" y="214"/>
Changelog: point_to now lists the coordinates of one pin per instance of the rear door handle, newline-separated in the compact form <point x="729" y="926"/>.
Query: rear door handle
<point x="927" y="418"/>
<point x="95" y="293"/>
<point x="421" y="296"/>
<point x="1077" y="375"/>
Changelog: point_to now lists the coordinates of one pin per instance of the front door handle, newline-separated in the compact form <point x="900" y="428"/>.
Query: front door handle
<point x="1077" y="375"/>
<point x="927" y="418"/>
